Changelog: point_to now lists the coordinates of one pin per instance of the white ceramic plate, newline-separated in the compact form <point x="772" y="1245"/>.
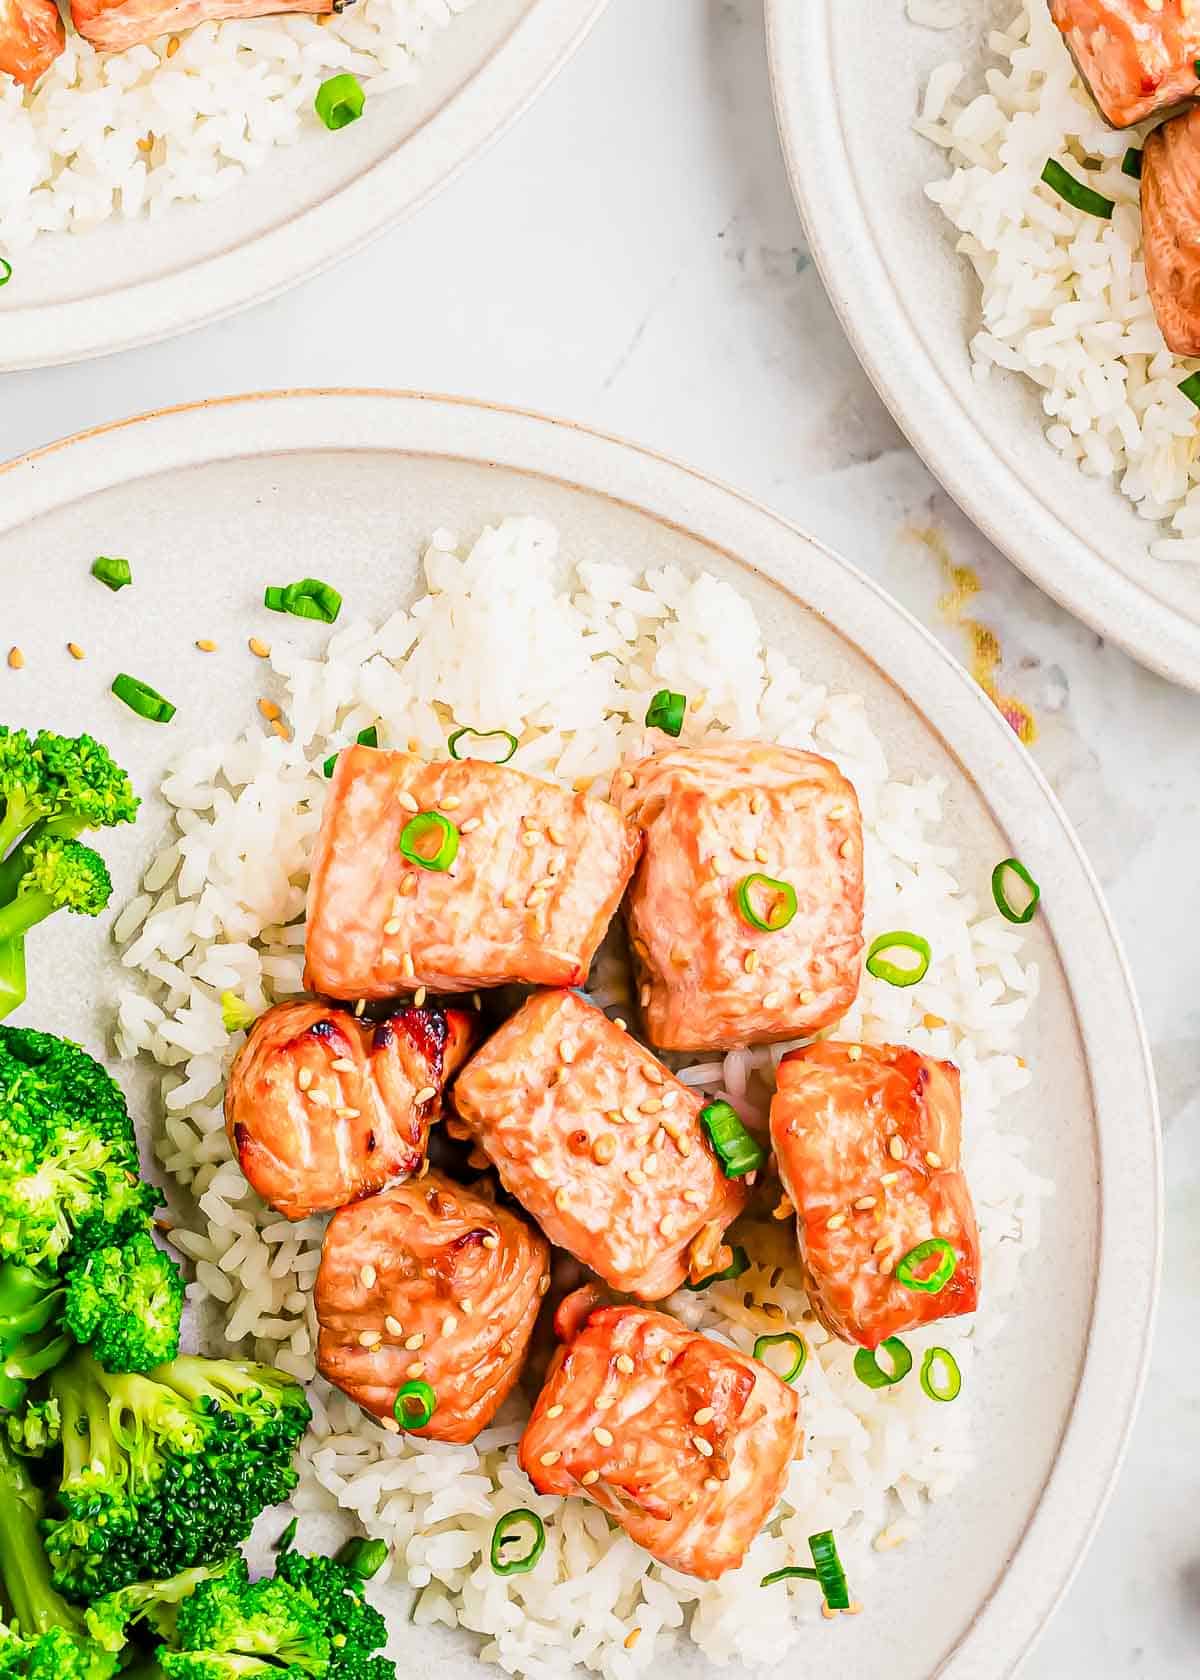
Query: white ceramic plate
<point x="210" y="501"/>
<point x="310" y="205"/>
<point x="847" y="80"/>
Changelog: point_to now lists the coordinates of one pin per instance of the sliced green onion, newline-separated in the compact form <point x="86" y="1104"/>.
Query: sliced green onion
<point x="736" y="1149"/>
<point x="1131" y="164"/>
<point x="365" y="738"/>
<point x="899" y="974"/>
<point x="666" y="711"/>
<point x="484" y="735"/>
<point x="739" y="1264"/>
<point x="523" y="1528"/>
<point x="1000" y="894"/>
<point x="940" y="1376"/>
<point x="417" y="832"/>
<point x="236" y="1013"/>
<point x="868" y="1370"/>
<point x="787" y="1339"/>
<point x="285" y="1540"/>
<point x="340" y="100"/>
<point x="114" y="574"/>
<point x="780" y="909"/>
<point x="147" y="702"/>
<point x="1076" y="194"/>
<point x="415" y="1404"/>
<point x="5" y="271"/>
<point x="828" y="1572"/>
<point x="939" y="1277"/>
<point x="310" y="598"/>
<point x="1191" y="388"/>
<point x="364" y="1558"/>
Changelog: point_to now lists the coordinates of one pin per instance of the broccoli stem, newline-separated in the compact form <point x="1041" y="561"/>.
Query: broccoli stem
<point x="16" y="819"/>
<point x="12" y="975"/>
<point x="24" y="1571"/>
<point x="24" y="912"/>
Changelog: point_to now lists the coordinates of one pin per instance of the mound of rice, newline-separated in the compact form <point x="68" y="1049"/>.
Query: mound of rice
<point x="1064" y="298"/>
<point x="568" y="657"/>
<point x="187" y="116"/>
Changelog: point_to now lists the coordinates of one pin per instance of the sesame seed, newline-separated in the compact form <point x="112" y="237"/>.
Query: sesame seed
<point x="625" y="1364"/>
<point x="543" y="1285"/>
<point x="604" y="1148"/>
<point x="773" y="1309"/>
<point x="449" y="1325"/>
<point x="807" y="997"/>
<point x="652" y="1105"/>
<point x="555" y="1411"/>
<point x="846" y="847"/>
<point x="532" y="837"/>
<point x="896" y="1148"/>
<point x="556" y="835"/>
<point x="632" y="1637"/>
<point x="827" y="1612"/>
<point x="888" y="1178"/>
<point x="466" y="1308"/>
<point x="887" y="1267"/>
<point x="319" y="1098"/>
<point x="269" y="710"/>
<point x="561" y="1200"/>
<point x="602" y="1437"/>
<point x="535" y="898"/>
<point x="932" y="1022"/>
<point x="450" y="803"/>
<point x="589" y="1477"/>
<point x="406" y="799"/>
<point x="854" y="1609"/>
<point x="666" y="1226"/>
<point x="650" y="1164"/>
<point x="644" y="996"/>
<point x="506" y="1347"/>
<point x="854" y="1053"/>
<point x="703" y="1447"/>
<point x="934" y="1160"/>
<point x="491" y="1240"/>
<point x="680" y="957"/>
<point x="742" y="853"/>
<point x="206" y="646"/>
<point x="281" y="729"/>
<point x="408" y="884"/>
<point x="605" y="1402"/>
<point x="551" y="1457"/>
<point x="750" y="961"/>
<point x="760" y="854"/>
<point x="836" y="1223"/>
<point x="16" y="659"/>
<point x="392" y="928"/>
<point x="670" y="1098"/>
<point x="425" y="1094"/>
<point x="882" y="1245"/>
<point x="566" y="1052"/>
<point x="76" y="652"/>
<point x="367" y="1277"/>
<point x="416" y="1340"/>
<point x="343" y="1064"/>
<point x="704" y="1415"/>
<point x="839" y="811"/>
<point x="470" y="825"/>
<point x="757" y="805"/>
<point x="711" y="1484"/>
<point x="416" y="1369"/>
<point x="369" y="1338"/>
<point x="782" y="1208"/>
<point x="665" y="1356"/>
<point x="407" y="967"/>
<point x="390" y="1424"/>
<point x="694" y="1198"/>
<point x="173" y="46"/>
<point x="626" y="778"/>
<point x="865" y="1202"/>
<point x="345" y="1113"/>
<point x="539" y="1168"/>
<point x="476" y="1001"/>
<point x="772" y="1000"/>
<point x="509" y="897"/>
<point x="259" y="648"/>
<point x="419" y="997"/>
<point x="393" y="1326"/>
<point x="304" y="1078"/>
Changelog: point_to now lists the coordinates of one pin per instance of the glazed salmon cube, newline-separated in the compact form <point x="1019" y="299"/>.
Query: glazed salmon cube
<point x="866" y="1139"/>
<point x="322" y="1108"/>
<point x="683" y="1441"/>
<point x="1171" y="229"/>
<point x="601" y="1144"/>
<point x="1135" y="56"/>
<point x="113" y="25"/>
<point x="31" y="38"/>
<point x="428" y="1283"/>
<point x="535" y="881"/>
<point x="718" y="820"/>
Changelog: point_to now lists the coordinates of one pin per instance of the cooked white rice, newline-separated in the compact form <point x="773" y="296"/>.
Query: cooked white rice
<point x="568" y="656"/>
<point x="213" y="106"/>
<point x="1064" y="298"/>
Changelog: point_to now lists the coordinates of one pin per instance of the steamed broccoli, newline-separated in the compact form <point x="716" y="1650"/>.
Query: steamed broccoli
<point x="52" y="788"/>
<point x="354" y="1628"/>
<point x="153" y="1605"/>
<point x="167" y="1471"/>
<point x="68" y="1157"/>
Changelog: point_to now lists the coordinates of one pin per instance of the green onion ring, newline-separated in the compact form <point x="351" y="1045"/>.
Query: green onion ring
<point x="739" y="1264"/>
<point x="1131" y="164"/>
<point x="1001" y="896"/>
<point x="785" y="1338"/>
<point x="870" y="1372"/>
<point x="512" y="1527"/>
<point x="946" y="1386"/>
<point x="1074" y="192"/>
<point x="666" y="711"/>
<point x="147" y="702"/>
<point x="906" y="1269"/>
<point x="414" y="1405"/>
<point x="828" y="1572"/>
<point x="310" y="598"/>
<point x="340" y="101"/>
<point x="364" y="1558"/>
<point x="895" y="973"/>
<point x="737" y="1151"/>
<point x="484" y="735"/>
<point x="6" y="271"/>
<point x="780" y="913"/>
<point x="419" y="828"/>
<point x="1191" y="388"/>
<point x="368" y="737"/>
<point x="113" y="573"/>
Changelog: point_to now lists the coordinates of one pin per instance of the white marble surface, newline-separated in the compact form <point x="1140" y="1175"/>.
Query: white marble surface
<point x="629" y="256"/>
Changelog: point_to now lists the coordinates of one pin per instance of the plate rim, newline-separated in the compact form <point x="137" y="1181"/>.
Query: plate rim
<point x="460" y="130"/>
<point x="1108" y="1021"/>
<point x="885" y="339"/>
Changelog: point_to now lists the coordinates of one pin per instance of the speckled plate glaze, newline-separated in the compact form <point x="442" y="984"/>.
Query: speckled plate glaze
<point x="310" y="205"/>
<point x="848" y="80"/>
<point x="208" y="502"/>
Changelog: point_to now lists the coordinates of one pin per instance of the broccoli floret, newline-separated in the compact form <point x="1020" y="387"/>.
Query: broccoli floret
<point x="353" y="1627"/>
<point x="126" y="1302"/>
<point x="167" y="1471"/>
<point x="154" y="1604"/>
<point x="53" y="1656"/>
<point x="254" y="1619"/>
<point x="68" y="1158"/>
<point x="31" y="1340"/>
<point x="55" y="874"/>
<point x="36" y="1429"/>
